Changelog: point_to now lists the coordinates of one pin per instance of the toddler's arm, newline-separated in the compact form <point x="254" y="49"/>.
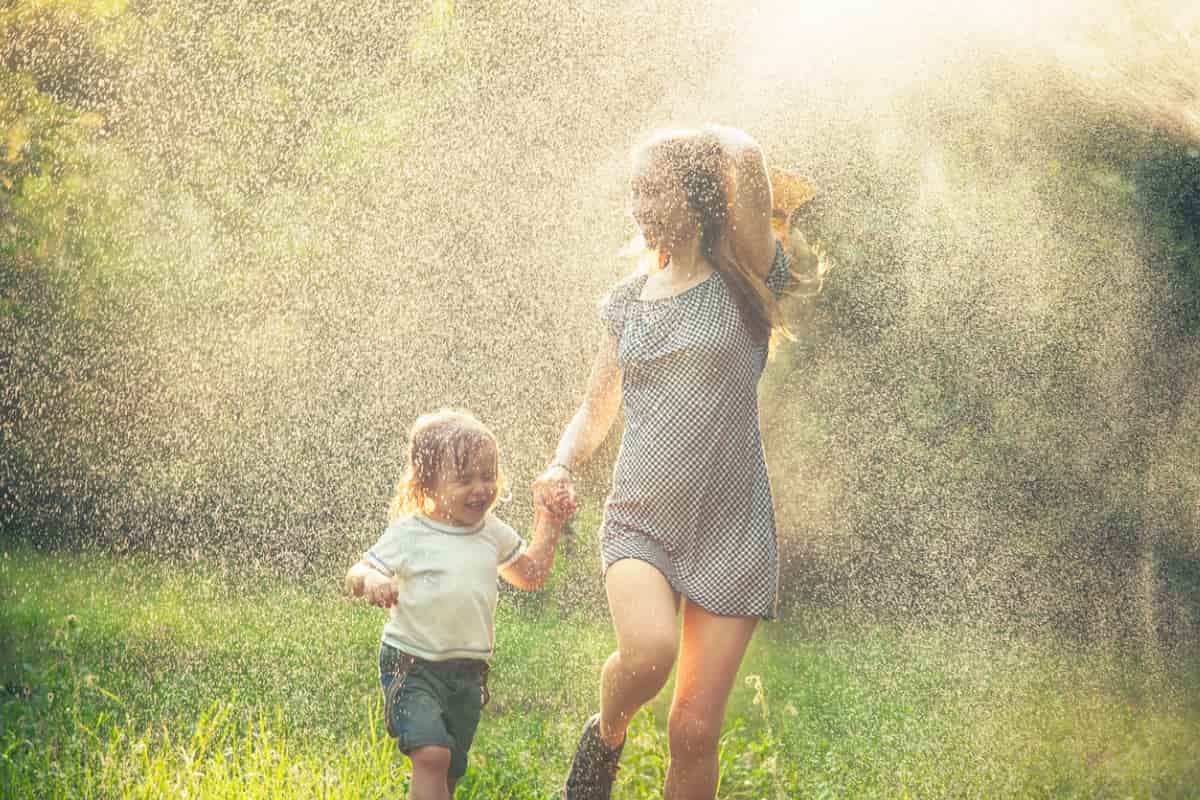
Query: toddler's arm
<point x="530" y="570"/>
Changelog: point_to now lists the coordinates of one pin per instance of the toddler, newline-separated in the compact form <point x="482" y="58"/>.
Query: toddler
<point x="435" y="568"/>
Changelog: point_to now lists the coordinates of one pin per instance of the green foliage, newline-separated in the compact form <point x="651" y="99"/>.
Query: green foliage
<point x="124" y="217"/>
<point x="988" y="402"/>
<point x="133" y="678"/>
<point x="983" y="409"/>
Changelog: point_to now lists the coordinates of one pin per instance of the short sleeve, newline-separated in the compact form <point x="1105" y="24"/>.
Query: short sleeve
<point x="780" y="274"/>
<point x="388" y="554"/>
<point x="509" y="544"/>
<point x="614" y="306"/>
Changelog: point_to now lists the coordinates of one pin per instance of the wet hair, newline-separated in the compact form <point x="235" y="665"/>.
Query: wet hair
<point x="445" y="438"/>
<point x="696" y="160"/>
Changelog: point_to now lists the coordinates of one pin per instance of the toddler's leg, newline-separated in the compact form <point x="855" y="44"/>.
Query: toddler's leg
<point x="430" y="776"/>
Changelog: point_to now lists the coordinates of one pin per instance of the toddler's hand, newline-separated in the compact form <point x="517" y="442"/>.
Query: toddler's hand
<point x="379" y="590"/>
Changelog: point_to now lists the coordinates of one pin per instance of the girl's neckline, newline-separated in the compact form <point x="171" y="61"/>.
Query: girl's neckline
<point x="668" y="298"/>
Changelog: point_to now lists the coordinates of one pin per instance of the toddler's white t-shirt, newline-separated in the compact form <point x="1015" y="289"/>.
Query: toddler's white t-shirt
<point x="446" y="580"/>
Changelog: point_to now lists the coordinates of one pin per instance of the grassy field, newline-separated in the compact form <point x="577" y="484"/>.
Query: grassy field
<point x="129" y="678"/>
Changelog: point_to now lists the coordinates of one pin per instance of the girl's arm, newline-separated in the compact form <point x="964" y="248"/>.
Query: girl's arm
<point x="748" y="231"/>
<point x="529" y="571"/>
<point x="363" y="580"/>
<point x="591" y="422"/>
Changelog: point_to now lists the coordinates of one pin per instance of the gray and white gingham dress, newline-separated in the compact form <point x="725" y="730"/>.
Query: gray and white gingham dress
<point x="690" y="493"/>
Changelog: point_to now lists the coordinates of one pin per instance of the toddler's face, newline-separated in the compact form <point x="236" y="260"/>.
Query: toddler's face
<point x="463" y="498"/>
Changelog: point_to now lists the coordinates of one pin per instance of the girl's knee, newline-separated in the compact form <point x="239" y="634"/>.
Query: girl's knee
<point x="433" y="759"/>
<point x="651" y="660"/>
<point x="693" y="731"/>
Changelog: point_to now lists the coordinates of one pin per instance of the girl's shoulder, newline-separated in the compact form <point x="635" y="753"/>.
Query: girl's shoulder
<point x="614" y="304"/>
<point x="625" y="289"/>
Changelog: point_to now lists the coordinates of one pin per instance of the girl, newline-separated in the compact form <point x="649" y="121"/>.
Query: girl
<point x="435" y="567"/>
<point x="689" y="521"/>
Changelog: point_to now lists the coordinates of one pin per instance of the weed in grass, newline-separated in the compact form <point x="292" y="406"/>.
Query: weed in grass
<point x="768" y="745"/>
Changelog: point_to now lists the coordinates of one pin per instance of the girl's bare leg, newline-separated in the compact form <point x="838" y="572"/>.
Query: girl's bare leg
<point x="709" y="657"/>
<point x="644" y="608"/>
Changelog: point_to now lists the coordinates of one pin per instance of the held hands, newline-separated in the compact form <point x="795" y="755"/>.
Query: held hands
<point x="554" y="493"/>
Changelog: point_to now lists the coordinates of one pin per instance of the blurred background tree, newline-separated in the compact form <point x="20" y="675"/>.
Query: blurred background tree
<point x="244" y="244"/>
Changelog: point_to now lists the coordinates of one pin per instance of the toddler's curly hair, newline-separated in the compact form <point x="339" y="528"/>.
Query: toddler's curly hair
<point x="444" y="438"/>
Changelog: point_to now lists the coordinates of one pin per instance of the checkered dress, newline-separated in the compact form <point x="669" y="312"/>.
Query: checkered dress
<point x="690" y="493"/>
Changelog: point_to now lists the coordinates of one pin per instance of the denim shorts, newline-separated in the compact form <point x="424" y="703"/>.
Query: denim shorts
<point x="432" y="703"/>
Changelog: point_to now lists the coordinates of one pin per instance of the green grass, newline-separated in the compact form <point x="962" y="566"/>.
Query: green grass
<point x="130" y="678"/>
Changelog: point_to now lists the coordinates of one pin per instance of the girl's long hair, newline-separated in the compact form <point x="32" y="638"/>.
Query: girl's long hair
<point x="444" y="438"/>
<point x="697" y="160"/>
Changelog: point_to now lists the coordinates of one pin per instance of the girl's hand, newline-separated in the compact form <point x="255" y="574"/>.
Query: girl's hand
<point x="561" y="506"/>
<point x="379" y="590"/>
